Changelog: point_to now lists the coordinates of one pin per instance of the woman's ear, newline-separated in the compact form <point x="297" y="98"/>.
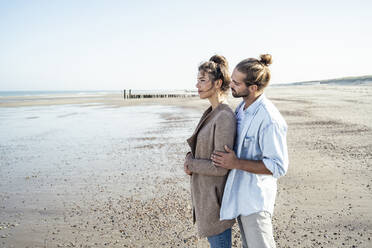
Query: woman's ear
<point x="218" y="83"/>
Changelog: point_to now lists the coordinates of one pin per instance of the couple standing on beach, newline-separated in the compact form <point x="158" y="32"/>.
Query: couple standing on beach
<point x="236" y="158"/>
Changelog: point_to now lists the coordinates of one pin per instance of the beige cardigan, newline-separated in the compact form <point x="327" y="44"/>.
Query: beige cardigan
<point x="215" y="129"/>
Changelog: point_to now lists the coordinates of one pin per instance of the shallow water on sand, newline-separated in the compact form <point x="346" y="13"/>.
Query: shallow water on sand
<point x="75" y="122"/>
<point x="75" y="146"/>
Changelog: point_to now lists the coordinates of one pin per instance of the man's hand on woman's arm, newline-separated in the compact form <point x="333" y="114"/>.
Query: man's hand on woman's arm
<point x="229" y="160"/>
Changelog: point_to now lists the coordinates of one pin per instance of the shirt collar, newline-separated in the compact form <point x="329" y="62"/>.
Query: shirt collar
<point x="253" y="107"/>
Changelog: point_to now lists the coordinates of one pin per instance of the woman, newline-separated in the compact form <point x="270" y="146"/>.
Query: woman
<point x="216" y="128"/>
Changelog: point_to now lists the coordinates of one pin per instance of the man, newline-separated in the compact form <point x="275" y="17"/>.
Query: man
<point x="260" y="155"/>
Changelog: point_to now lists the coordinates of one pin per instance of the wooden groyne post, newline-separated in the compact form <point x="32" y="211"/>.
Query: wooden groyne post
<point x="140" y="96"/>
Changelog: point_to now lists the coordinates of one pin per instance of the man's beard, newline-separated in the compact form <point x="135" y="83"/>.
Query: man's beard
<point x="236" y="95"/>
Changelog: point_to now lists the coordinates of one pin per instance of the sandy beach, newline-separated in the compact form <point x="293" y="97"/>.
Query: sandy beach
<point x="100" y="171"/>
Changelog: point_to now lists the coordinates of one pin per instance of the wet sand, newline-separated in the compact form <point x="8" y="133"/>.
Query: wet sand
<point x="127" y="189"/>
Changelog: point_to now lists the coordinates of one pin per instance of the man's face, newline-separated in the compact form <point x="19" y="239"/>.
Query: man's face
<point x="238" y="87"/>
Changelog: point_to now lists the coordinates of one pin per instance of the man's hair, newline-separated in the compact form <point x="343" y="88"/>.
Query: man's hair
<point x="256" y="71"/>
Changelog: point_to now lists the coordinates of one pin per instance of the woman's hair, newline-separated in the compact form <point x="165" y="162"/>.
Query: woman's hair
<point x="257" y="71"/>
<point x="217" y="68"/>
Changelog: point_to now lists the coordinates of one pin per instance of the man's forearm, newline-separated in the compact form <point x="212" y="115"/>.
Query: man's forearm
<point x="252" y="166"/>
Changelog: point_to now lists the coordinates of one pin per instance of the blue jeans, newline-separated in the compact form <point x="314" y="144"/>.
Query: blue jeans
<point x="222" y="240"/>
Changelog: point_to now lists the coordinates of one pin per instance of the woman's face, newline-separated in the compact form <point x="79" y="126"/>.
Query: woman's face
<point x="205" y="86"/>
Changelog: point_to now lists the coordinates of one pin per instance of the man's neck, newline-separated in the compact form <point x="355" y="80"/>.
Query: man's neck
<point x="251" y="99"/>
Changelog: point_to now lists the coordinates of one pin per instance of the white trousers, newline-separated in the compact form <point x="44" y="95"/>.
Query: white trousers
<point x="256" y="230"/>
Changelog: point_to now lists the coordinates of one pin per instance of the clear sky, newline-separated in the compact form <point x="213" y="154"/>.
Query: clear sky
<point x="112" y="45"/>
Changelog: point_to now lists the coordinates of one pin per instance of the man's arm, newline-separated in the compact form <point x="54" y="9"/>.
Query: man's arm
<point x="274" y="161"/>
<point x="229" y="160"/>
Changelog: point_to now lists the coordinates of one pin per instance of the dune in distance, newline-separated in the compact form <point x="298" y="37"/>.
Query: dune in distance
<point x="358" y="80"/>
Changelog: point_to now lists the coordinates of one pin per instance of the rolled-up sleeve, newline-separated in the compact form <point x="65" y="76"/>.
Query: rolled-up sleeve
<point x="273" y="144"/>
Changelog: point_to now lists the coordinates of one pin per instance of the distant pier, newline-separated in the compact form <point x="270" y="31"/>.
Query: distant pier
<point x="127" y="94"/>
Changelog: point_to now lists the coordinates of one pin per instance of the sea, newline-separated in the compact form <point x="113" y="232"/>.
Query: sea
<point x="57" y="93"/>
<point x="54" y="92"/>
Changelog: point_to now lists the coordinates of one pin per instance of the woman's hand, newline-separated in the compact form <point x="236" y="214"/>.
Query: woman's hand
<point x="187" y="161"/>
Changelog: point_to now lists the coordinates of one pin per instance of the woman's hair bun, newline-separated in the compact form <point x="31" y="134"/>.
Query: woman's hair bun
<point x="266" y="59"/>
<point x="218" y="59"/>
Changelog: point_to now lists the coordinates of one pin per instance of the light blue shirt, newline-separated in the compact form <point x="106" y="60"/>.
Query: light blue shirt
<point x="261" y="135"/>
